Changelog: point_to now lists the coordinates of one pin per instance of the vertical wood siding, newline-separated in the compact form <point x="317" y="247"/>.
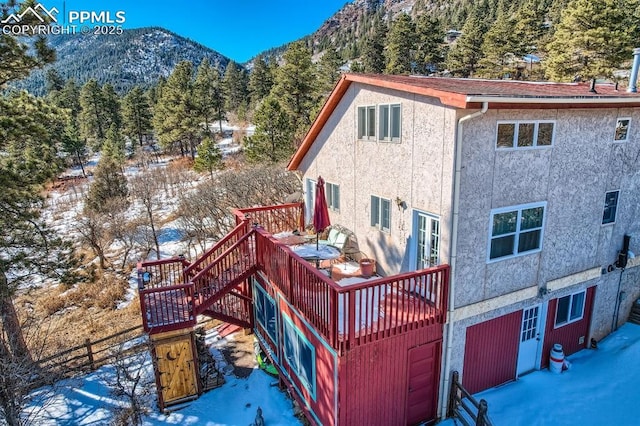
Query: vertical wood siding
<point x="569" y="335"/>
<point x="374" y="381"/>
<point x="491" y="352"/>
<point x="324" y="404"/>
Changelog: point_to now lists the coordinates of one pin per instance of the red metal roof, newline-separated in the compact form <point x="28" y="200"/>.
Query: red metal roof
<point x="466" y="93"/>
<point x="479" y="87"/>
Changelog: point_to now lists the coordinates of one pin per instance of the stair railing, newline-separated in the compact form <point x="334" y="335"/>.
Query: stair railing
<point x="464" y="407"/>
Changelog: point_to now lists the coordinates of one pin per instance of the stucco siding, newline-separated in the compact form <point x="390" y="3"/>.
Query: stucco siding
<point x="416" y="171"/>
<point x="571" y="176"/>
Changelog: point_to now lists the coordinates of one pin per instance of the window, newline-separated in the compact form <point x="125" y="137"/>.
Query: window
<point x="310" y="200"/>
<point x="610" y="207"/>
<point x="389" y="122"/>
<point x="570" y="309"/>
<point x="516" y="231"/>
<point x="622" y="130"/>
<point x="367" y="123"/>
<point x="300" y="355"/>
<point x="381" y="213"/>
<point x="427" y="240"/>
<point x="333" y="196"/>
<point x="524" y="134"/>
<point x="265" y="311"/>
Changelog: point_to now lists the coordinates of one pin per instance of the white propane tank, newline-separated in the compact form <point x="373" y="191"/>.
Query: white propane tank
<point x="556" y="360"/>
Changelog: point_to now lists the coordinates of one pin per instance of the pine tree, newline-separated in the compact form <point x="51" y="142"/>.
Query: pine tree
<point x="592" y="39"/>
<point x="465" y="54"/>
<point x="92" y="119"/>
<point x="373" y="58"/>
<point x="53" y="81"/>
<point x="109" y="184"/>
<point x="74" y="144"/>
<point x="111" y="107"/>
<point x="294" y="87"/>
<point x="500" y="48"/>
<point x="30" y="129"/>
<point x="260" y="79"/>
<point x="208" y="96"/>
<point x="17" y="59"/>
<point x="174" y="118"/>
<point x="209" y="157"/>
<point x="273" y="137"/>
<point x="429" y="46"/>
<point x="529" y="28"/>
<point x="401" y="44"/>
<point x="328" y="72"/>
<point x="235" y="85"/>
<point x="114" y="146"/>
<point x="136" y="115"/>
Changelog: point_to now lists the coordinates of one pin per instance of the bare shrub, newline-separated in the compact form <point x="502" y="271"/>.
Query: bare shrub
<point x="133" y="382"/>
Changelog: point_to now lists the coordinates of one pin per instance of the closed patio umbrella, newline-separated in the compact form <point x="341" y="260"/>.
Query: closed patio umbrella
<point x="321" y="219"/>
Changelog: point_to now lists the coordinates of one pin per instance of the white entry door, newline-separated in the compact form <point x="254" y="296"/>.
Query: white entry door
<point x="530" y="339"/>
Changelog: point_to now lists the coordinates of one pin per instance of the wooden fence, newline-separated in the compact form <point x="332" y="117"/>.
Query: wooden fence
<point x="464" y="407"/>
<point x="95" y="353"/>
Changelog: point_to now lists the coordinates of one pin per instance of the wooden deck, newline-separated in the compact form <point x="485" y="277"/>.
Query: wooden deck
<point x="346" y="316"/>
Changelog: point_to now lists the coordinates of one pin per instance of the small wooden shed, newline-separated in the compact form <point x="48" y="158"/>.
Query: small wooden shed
<point x="176" y="366"/>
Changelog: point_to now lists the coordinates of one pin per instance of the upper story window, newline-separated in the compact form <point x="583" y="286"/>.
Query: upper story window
<point x="333" y="196"/>
<point x="610" y="207"/>
<point x="525" y="134"/>
<point x="367" y="122"/>
<point x="516" y="231"/>
<point x="622" y="130"/>
<point x="570" y="309"/>
<point x="390" y="120"/>
<point x="381" y="213"/>
<point x="300" y="355"/>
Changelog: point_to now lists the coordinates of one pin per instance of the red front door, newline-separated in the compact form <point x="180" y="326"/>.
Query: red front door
<point x="424" y="375"/>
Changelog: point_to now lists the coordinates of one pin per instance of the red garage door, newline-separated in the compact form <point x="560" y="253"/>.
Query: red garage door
<point x="491" y="352"/>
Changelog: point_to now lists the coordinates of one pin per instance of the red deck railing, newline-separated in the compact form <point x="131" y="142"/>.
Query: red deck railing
<point x="346" y="317"/>
<point x="216" y="251"/>
<point x="356" y="314"/>
<point x="273" y="219"/>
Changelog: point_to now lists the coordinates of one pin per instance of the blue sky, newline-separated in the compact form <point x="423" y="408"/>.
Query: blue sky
<point x="239" y="29"/>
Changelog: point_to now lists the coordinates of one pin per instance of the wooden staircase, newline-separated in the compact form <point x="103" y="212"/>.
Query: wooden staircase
<point x="216" y="285"/>
<point x="634" y="315"/>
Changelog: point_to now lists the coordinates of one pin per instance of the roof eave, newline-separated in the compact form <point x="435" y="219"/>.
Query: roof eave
<point x="327" y="109"/>
<point x="579" y="101"/>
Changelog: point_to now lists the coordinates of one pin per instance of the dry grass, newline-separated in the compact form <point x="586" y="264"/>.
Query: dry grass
<point x="56" y="318"/>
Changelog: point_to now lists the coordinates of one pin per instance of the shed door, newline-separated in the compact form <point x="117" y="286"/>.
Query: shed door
<point x="424" y="376"/>
<point x="491" y="352"/>
<point x="176" y="369"/>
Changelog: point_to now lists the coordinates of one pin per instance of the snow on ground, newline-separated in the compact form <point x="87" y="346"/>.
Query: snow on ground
<point x="600" y="388"/>
<point x="87" y="400"/>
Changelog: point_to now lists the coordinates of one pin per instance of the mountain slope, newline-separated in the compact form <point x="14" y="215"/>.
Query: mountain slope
<point x="135" y="57"/>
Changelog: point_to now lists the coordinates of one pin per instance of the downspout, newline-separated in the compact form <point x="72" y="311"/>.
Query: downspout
<point x="457" y="161"/>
